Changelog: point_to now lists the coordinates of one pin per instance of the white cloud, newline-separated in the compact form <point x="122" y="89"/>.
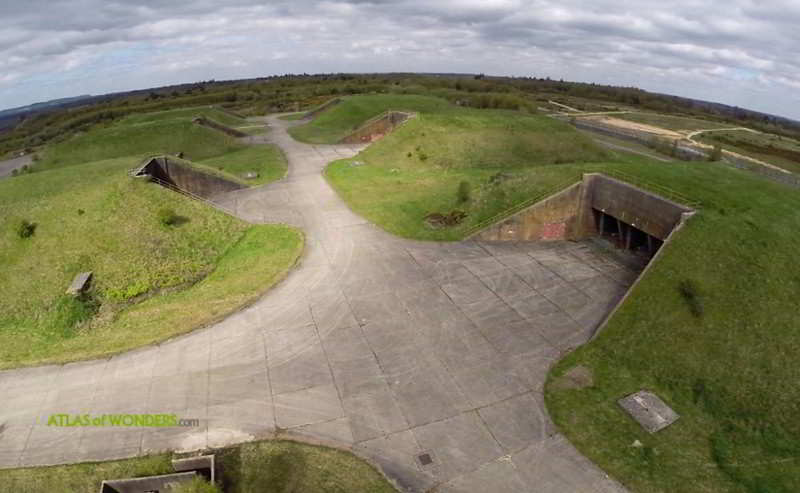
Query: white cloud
<point x="735" y="51"/>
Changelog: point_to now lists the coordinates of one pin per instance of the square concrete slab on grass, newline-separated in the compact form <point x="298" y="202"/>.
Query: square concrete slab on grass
<point x="648" y="410"/>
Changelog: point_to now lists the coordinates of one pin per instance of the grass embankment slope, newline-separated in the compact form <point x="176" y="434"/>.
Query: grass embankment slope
<point x="151" y="280"/>
<point x="264" y="467"/>
<point x="416" y="169"/>
<point x="730" y="371"/>
<point x="171" y="132"/>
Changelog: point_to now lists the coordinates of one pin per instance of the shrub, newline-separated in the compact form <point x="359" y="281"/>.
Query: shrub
<point x="167" y="216"/>
<point x="25" y="228"/>
<point x="691" y="295"/>
<point x="197" y="485"/>
<point x="464" y="192"/>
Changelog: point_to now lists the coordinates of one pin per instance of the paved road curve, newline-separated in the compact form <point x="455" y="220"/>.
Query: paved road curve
<point x="389" y="347"/>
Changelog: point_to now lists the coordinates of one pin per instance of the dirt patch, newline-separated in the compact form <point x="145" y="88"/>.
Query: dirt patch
<point x="637" y="127"/>
<point x="439" y="221"/>
<point x="577" y="377"/>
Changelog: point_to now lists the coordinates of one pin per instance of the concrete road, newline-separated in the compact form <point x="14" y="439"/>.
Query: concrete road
<point x="9" y="165"/>
<point x="427" y="359"/>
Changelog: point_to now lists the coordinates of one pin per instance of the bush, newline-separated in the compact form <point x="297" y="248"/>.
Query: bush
<point x="464" y="192"/>
<point x="167" y="216"/>
<point x="691" y="295"/>
<point x="197" y="485"/>
<point x="25" y="228"/>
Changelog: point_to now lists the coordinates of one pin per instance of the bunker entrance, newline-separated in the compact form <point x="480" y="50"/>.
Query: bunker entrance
<point x="625" y="236"/>
<point x="178" y="176"/>
<point x="598" y="206"/>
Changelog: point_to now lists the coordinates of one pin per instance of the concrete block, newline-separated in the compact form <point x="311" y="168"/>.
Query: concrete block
<point x="80" y="283"/>
<point x="648" y="410"/>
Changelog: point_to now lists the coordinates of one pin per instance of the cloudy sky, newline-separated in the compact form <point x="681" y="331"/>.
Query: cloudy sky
<point x="740" y="52"/>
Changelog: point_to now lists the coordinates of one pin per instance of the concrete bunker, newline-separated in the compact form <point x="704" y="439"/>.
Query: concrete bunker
<point x="175" y="175"/>
<point x="630" y="217"/>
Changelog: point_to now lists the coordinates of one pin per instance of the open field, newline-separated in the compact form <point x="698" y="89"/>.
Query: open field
<point x="94" y="217"/>
<point x="671" y="122"/>
<point x="737" y="431"/>
<point x="272" y="466"/>
<point x="773" y="149"/>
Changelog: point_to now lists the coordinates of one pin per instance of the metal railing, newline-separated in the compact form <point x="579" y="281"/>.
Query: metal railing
<point x="665" y="192"/>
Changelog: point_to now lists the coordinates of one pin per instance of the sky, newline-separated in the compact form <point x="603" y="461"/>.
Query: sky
<point x="739" y="52"/>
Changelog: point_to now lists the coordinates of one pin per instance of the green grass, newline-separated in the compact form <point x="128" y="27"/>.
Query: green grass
<point x="773" y="149"/>
<point x="157" y="137"/>
<point x="342" y="119"/>
<point x="416" y="169"/>
<point x="82" y="478"/>
<point x="272" y="466"/>
<point x="266" y="160"/>
<point x="186" y="114"/>
<point x="671" y="122"/>
<point x="94" y="217"/>
<point x="730" y="373"/>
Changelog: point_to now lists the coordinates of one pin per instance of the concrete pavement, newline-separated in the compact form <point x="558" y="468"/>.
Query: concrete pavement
<point x="389" y="347"/>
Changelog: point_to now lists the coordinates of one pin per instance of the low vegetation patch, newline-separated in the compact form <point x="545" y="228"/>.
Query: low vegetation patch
<point x="272" y="466"/>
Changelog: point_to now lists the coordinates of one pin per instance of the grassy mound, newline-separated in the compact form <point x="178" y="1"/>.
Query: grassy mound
<point x="95" y="218"/>
<point x="417" y="169"/>
<point x="712" y="329"/>
<point x="185" y="114"/>
<point x="341" y="120"/>
<point x="267" y="161"/>
<point x="267" y="466"/>
<point x="158" y="137"/>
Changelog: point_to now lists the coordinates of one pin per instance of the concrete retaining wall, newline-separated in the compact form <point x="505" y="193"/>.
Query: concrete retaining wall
<point x="569" y="215"/>
<point x="374" y="130"/>
<point x="205" y="122"/>
<point x="555" y="218"/>
<point x="639" y="208"/>
<point x="187" y="178"/>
